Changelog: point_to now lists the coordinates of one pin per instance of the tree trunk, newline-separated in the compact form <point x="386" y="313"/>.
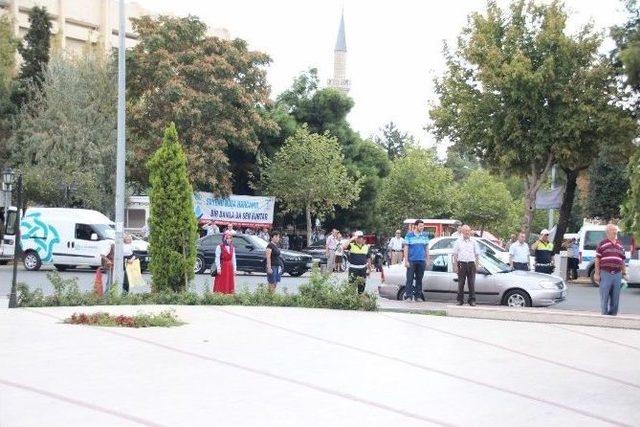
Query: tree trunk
<point x="565" y="208"/>
<point x="532" y="184"/>
<point x="308" y="212"/>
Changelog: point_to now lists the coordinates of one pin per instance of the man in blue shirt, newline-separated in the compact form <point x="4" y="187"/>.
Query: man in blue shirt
<point x="415" y="259"/>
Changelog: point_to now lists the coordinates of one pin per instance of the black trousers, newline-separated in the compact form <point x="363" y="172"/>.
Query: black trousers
<point x="467" y="275"/>
<point x="355" y="274"/>
<point x="522" y="266"/>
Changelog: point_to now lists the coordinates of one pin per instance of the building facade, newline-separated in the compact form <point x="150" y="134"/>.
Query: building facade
<point x="77" y="23"/>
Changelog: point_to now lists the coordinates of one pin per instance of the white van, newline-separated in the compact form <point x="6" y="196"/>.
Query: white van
<point x="590" y="236"/>
<point x="64" y="237"/>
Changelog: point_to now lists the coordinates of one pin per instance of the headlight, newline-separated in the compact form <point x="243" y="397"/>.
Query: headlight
<point x="546" y="284"/>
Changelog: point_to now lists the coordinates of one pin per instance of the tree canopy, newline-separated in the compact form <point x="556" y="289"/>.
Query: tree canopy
<point x="394" y="141"/>
<point x="308" y="175"/>
<point x="212" y="89"/>
<point x="521" y="94"/>
<point x="8" y="46"/>
<point x="65" y="135"/>
<point x="417" y="187"/>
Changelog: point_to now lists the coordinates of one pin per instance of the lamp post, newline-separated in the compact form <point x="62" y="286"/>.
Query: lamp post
<point x="13" y="298"/>
<point x="7" y="186"/>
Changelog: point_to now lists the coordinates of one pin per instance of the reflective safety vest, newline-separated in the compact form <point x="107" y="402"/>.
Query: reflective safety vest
<point x="543" y="252"/>
<point x="358" y="256"/>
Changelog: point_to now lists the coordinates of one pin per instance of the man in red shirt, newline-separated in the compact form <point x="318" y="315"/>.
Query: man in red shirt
<point x="610" y="268"/>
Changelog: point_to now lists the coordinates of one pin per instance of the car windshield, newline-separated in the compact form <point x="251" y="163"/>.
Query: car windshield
<point x="492" y="245"/>
<point x="493" y="264"/>
<point x="256" y="241"/>
<point x="104" y="231"/>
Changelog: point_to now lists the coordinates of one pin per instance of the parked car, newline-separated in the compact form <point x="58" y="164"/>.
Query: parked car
<point x="141" y="251"/>
<point x="589" y="236"/>
<point x="250" y="255"/>
<point x="496" y="283"/>
<point x="318" y="250"/>
<point x="486" y="245"/>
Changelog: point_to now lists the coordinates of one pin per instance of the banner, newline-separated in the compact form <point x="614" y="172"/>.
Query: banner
<point x="248" y="211"/>
<point x="549" y="199"/>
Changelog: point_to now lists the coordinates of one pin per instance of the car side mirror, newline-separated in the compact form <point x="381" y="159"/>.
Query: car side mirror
<point x="483" y="271"/>
<point x="94" y="237"/>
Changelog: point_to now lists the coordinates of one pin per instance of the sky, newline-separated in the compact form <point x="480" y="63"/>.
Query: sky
<point x="394" y="47"/>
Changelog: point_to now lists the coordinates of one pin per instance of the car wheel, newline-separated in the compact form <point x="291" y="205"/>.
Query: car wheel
<point x="400" y="295"/>
<point x="61" y="267"/>
<point x="32" y="261"/>
<point x="296" y="273"/>
<point x="199" y="266"/>
<point x="592" y="274"/>
<point x="517" y="298"/>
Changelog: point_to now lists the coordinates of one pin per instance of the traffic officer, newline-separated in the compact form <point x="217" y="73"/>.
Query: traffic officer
<point x="543" y="253"/>
<point x="359" y="259"/>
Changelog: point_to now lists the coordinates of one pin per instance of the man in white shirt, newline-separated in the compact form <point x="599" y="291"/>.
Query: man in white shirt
<point x="519" y="254"/>
<point x="331" y="245"/>
<point x="465" y="258"/>
<point x="396" y="247"/>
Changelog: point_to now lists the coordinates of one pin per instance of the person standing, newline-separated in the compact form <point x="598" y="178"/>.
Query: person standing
<point x="573" y="259"/>
<point x="107" y="266"/>
<point x="339" y="257"/>
<point x="519" y="254"/>
<point x="359" y="260"/>
<point x="610" y="269"/>
<point x="543" y="253"/>
<point x="284" y="243"/>
<point x="330" y="250"/>
<point x="127" y="254"/>
<point x="465" y="259"/>
<point x="396" y="247"/>
<point x="264" y="235"/>
<point x="415" y="260"/>
<point x="224" y="282"/>
<point x="274" y="261"/>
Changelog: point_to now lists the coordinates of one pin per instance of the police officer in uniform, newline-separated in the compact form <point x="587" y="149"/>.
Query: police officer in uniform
<point x="543" y="253"/>
<point x="359" y="259"/>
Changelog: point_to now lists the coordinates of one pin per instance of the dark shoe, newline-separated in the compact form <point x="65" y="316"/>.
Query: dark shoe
<point x="472" y="303"/>
<point x="460" y="303"/>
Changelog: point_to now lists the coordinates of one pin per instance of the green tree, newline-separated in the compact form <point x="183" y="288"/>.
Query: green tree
<point x="608" y="186"/>
<point x="8" y="46"/>
<point x="213" y="89"/>
<point x="520" y="94"/>
<point x="460" y="164"/>
<point x="326" y="110"/>
<point x="308" y="175"/>
<point x="34" y="50"/>
<point x="65" y="135"/>
<point x="417" y="187"/>
<point x="172" y="222"/>
<point x="482" y="201"/>
<point x="393" y="141"/>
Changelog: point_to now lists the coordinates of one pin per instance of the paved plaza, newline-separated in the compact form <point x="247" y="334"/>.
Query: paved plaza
<point x="250" y="366"/>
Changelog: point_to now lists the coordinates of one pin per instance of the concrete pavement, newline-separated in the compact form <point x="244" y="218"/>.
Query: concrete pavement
<point x="237" y="366"/>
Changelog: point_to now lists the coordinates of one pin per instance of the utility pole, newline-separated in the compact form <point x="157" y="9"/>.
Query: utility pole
<point x="118" y="262"/>
<point x="553" y="186"/>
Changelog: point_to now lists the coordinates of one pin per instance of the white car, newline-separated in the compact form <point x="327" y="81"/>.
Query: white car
<point x="440" y="243"/>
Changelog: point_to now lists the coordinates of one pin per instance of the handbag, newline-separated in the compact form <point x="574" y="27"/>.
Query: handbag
<point x="214" y="269"/>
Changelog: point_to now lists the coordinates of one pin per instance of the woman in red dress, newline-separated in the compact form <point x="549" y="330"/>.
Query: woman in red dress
<point x="224" y="282"/>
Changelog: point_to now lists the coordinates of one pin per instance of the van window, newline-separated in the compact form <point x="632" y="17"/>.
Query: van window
<point x="84" y="231"/>
<point x="11" y="224"/>
<point x="593" y="237"/>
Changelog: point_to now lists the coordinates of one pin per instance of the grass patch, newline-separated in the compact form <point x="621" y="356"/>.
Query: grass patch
<point x="165" y="319"/>
<point x="320" y="292"/>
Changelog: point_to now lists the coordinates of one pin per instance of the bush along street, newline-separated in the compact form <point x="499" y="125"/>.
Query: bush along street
<point x="164" y="319"/>
<point x="320" y="292"/>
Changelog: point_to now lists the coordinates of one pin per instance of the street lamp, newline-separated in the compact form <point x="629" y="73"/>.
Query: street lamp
<point x="13" y="298"/>
<point x="7" y="178"/>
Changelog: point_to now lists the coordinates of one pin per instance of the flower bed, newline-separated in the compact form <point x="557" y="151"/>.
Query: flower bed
<point x="165" y="319"/>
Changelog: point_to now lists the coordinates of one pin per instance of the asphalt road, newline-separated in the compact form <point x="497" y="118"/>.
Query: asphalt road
<point x="579" y="296"/>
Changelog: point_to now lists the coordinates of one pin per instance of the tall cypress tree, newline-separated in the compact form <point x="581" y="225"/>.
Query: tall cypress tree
<point x="34" y="50"/>
<point x="173" y="227"/>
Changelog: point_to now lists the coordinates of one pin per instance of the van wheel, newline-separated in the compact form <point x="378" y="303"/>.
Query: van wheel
<point x="592" y="274"/>
<point x="400" y="295"/>
<point x="199" y="266"/>
<point x="32" y="261"/>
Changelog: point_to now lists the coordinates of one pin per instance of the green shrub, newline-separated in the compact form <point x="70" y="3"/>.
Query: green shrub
<point x="320" y="292"/>
<point x="164" y="319"/>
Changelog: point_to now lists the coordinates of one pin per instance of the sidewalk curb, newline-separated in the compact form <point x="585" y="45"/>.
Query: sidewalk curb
<point x="415" y="310"/>
<point x="537" y="315"/>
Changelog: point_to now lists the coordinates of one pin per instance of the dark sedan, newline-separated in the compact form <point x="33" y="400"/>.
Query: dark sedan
<point x="250" y="255"/>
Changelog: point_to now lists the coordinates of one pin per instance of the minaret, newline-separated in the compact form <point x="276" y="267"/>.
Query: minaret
<point x="339" y="80"/>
